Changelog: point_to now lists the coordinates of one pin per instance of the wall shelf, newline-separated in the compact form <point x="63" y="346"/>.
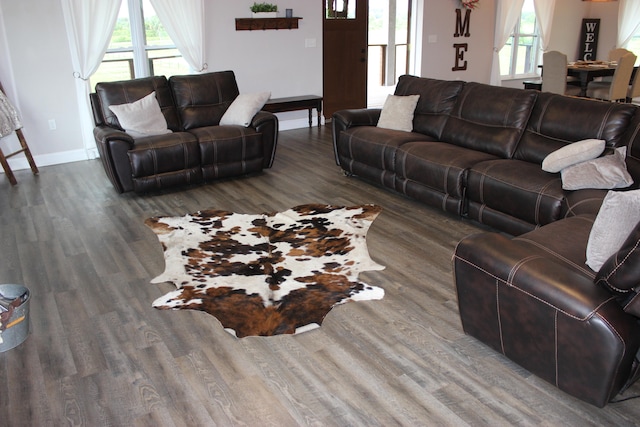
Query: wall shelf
<point x="255" y="24"/>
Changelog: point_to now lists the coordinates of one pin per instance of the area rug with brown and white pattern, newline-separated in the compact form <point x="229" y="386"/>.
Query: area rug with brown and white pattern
<point x="270" y="273"/>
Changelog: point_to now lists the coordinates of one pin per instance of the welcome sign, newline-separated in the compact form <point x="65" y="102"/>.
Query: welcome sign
<point x="589" y="39"/>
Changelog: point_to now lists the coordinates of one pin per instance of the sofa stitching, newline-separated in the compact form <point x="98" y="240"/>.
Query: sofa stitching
<point x="590" y="314"/>
<point x="622" y="341"/>
<point x="617" y="266"/>
<point x="555" y="344"/>
<point x="499" y="319"/>
<point x="633" y="299"/>
<point x="587" y="272"/>
<point x="570" y="208"/>
<point x="484" y="173"/>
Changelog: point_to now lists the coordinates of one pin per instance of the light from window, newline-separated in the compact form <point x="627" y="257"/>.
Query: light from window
<point x="139" y="47"/>
<point x="634" y="46"/>
<point x="519" y="56"/>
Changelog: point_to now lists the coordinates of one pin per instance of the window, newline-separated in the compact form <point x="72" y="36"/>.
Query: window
<point x="519" y="57"/>
<point x="139" y="47"/>
<point x="634" y="46"/>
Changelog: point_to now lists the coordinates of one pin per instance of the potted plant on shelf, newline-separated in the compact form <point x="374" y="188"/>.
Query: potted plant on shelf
<point x="264" y="10"/>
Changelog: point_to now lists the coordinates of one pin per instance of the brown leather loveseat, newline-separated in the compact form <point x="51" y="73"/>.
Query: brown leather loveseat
<point x="476" y="151"/>
<point x="198" y="149"/>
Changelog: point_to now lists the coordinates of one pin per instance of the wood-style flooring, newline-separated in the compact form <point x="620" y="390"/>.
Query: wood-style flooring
<point x="99" y="355"/>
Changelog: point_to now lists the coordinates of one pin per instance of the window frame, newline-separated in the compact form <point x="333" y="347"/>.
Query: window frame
<point x="515" y="36"/>
<point x="140" y="50"/>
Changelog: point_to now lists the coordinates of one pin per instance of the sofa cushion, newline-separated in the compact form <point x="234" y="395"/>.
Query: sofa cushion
<point x="554" y="124"/>
<point x="244" y="108"/>
<point x="370" y="151"/>
<point x="165" y="160"/>
<point x="618" y="215"/>
<point x="142" y="117"/>
<point x="587" y="201"/>
<point x="573" y="153"/>
<point x="516" y="189"/>
<point x="202" y="99"/>
<point x="124" y="92"/>
<point x="436" y="166"/>
<point x="437" y="99"/>
<point x="229" y="150"/>
<point x="606" y="172"/>
<point x="397" y="112"/>
<point x="494" y="130"/>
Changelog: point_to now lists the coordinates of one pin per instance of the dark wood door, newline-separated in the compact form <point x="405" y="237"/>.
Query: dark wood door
<point x="344" y="55"/>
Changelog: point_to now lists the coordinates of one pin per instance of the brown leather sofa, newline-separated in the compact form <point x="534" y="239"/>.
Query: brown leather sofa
<point x="197" y="150"/>
<point x="476" y="151"/>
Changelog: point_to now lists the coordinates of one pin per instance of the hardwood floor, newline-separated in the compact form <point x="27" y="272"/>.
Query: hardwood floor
<point x="98" y="354"/>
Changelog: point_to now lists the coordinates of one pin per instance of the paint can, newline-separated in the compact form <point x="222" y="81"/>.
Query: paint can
<point x="14" y="316"/>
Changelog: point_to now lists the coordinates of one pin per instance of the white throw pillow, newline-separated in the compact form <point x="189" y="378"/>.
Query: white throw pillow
<point x="244" y="107"/>
<point x="141" y="118"/>
<point x="618" y="216"/>
<point x="573" y="153"/>
<point x="605" y="172"/>
<point x="397" y="112"/>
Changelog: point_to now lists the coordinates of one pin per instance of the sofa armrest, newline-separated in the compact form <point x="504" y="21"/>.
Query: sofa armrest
<point x="515" y="265"/>
<point x="267" y="124"/>
<point x="345" y="119"/>
<point x="113" y="146"/>
<point x="545" y="316"/>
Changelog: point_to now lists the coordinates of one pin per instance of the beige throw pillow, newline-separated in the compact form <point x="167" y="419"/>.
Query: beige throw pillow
<point x="244" y="107"/>
<point x="397" y="112"/>
<point x="573" y="153"/>
<point x="605" y="172"/>
<point x="142" y="117"/>
<point x="618" y="216"/>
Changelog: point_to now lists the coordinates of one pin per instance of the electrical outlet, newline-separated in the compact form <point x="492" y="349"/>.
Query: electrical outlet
<point x="309" y="42"/>
<point x="52" y="124"/>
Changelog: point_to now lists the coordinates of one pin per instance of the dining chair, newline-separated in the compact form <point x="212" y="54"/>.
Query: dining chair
<point x="634" y="87"/>
<point x="614" y="56"/>
<point x="554" y="74"/>
<point x="617" y="89"/>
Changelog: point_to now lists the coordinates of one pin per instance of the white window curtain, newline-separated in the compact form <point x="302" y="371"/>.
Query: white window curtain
<point x="184" y="22"/>
<point x="628" y="21"/>
<point x="544" y="17"/>
<point x="507" y="15"/>
<point x="89" y="25"/>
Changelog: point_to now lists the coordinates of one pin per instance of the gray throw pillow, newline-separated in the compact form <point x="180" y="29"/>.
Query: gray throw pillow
<point x="605" y="172"/>
<point x="397" y="112"/>
<point x="142" y="117"/>
<point x="618" y="216"/>
<point x="573" y="153"/>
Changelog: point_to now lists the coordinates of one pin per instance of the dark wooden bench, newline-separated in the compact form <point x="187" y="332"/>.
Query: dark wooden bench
<point x="293" y="103"/>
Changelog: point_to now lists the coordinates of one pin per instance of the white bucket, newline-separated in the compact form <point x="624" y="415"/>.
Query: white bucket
<point x="16" y="329"/>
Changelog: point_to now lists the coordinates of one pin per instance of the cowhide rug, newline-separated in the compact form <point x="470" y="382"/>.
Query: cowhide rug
<point x="267" y="274"/>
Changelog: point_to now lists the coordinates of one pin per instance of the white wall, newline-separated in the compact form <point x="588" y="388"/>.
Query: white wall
<point x="36" y="66"/>
<point x="277" y="61"/>
<point x="37" y="74"/>
<point x="438" y="57"/>
<point x="567" y="26"/>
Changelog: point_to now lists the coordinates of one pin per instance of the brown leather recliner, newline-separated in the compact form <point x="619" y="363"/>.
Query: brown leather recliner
<point x="198" y="149"/>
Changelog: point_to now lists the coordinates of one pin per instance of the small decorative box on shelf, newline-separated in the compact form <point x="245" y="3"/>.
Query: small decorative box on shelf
<point x="254" y="24"/>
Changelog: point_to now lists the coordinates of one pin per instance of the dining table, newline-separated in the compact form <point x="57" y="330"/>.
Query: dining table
<point x="586" y="71"/>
